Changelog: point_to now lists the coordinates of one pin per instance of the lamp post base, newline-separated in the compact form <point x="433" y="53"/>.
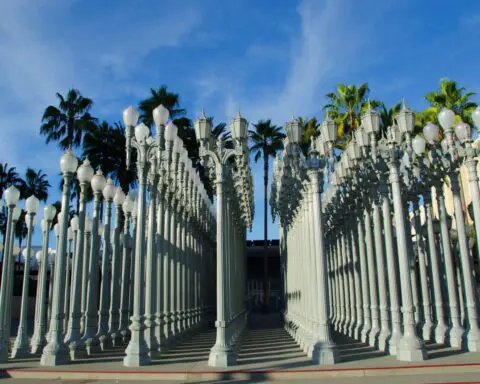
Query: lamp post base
<point x="455" y="337"/>
<point x="440" y="334"/>
<point x="55" y="355"/>
<point x="324" y="354"/>
<point x="221" y="357"/>
<point x="473" y="340"/>
<point x="411" y="350"/>
<point x="136" y="355"/>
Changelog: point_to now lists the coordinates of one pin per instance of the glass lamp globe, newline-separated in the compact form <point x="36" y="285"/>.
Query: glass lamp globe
<point x="160" y="115"/>
<point x="128" y="204"/>
<point x="405" y="120"/>
<point x="12" y="195"/>
<point x="70" y="233"/>
<point x="49" y="212"/>
<point x="85" y="172"/>
<point x="32" y="204"/>
<point x="462" y="131"/>
<point x="177" y="145"/>
<point x="74" y="223"/>
<point x="109" y="190"/>
<point x="26" y="254"/>
<point x="431" y="132"/>
<point x="38" y="255"/>
<point x="446" y="118"/>
<point x="16" y="213"/>
<point x="141" y="132"/>
<point x="68" y="162"/>
<point x="170" y="131"/>
<point x="371" y="121"/>
<point x="98" y="182"/>
<point x="130" y="116"/>
<point x="328" y="130"/>
<point x="476" y="117"/>
<point x="119" y="197"/>
<point x="418" y="144"/>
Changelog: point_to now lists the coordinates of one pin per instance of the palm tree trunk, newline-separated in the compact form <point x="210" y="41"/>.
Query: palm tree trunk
<point x="265" y="232"/>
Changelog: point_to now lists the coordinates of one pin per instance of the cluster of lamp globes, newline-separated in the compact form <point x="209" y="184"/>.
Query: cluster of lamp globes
<point x="168" y="131"/>
<point x="365" y="136"/>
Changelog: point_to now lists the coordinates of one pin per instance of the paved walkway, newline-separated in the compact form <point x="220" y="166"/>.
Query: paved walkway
<point x="266" y="353"/>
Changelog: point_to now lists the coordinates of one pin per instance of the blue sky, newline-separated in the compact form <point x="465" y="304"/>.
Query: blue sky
<point x="272" y="59"/>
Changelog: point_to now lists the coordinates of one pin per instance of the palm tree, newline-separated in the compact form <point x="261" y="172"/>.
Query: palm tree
<point x="309" y="129"/>
<point x="67" y="123"/>
<point x="267" y="140"/>
<point x="36" y="184"/>
<point x="105" y="147"/>
<point x="387" y="116"/>
<point x="8" y="177"/>
<point x="345" y="107"/>
<point x="162" y="96"/>
<point x="453" y="97"/>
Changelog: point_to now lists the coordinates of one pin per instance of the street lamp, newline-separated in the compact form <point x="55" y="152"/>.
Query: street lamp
<point x="55" y="352"/>
<point x="222" y="353"/>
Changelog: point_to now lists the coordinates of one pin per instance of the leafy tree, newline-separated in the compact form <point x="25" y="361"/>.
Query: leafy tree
<point x="453" y="97"/>
<point x="105" y="147"/>
<point x="346" y="105"/>
<point x="9" y="176"/>
<point x="267" y="140"/>
<point x="35" y="183"/>
<point x="309" y="129"/>
<point x="67" y="123"/>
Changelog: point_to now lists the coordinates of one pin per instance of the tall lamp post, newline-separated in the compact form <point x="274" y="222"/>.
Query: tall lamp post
<point x="56" y="352"/>
<point x="222" y="353"/>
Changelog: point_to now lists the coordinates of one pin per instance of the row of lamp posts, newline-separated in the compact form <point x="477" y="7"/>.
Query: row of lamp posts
<point x="148" y="280"/>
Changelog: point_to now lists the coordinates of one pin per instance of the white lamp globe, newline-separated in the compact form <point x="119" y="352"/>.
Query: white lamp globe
<point x="38" y="255"/>
<point x="49" y="212"/>
<point x="74" y="223"/>
<point x="177" y="145"/>
<point x="462" y="131"/>
<point x="128" y="204"/>
<point x="119" y="197"/>
<point x="160" y="115"/>
<point x="16" y="251"/>
<point x="12" y="195"/>
<point x="32" y="204"/>
<point x="418" y="144"/>
<point x="431" y="131"/>
<point x="68" y="162"/>
<point x="27" y="255"/>
<point x="16" y="213"/>
<point x="446" y="118"/>
<point x="70" y="233"/>
<point x="476" y="116"/>
<point x="109" y="190"/>
<point x="130" y="116"/>
<point x="85" y="172"/>
<point x="141" y="132"/>
<point x="170" y="132"/>
<point x="98" y="182"/>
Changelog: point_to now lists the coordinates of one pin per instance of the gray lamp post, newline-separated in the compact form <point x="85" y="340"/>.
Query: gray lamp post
<point x="114" y="319"/>
<point x="12" y="195"/>
<point x="73" y="337"/>
<point x="222" y="354"/>
<point x="90" y="341"/>
<point x="137" y="350"/>
<point x="55" y="352"/>
<point x="20" y="347"/>
<point x="38" y="339"/>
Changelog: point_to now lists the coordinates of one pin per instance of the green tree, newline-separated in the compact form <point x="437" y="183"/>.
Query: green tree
<point x="309" y="129"/>
<point x="346" y="105"/>
<point x="35" y="183"/>
<point x="453" y="97"/>
<point x="67" y="123"/>
<point x="105" y="146"/>
<point x="267" y="140"/>
<point x="9" y="176"/>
